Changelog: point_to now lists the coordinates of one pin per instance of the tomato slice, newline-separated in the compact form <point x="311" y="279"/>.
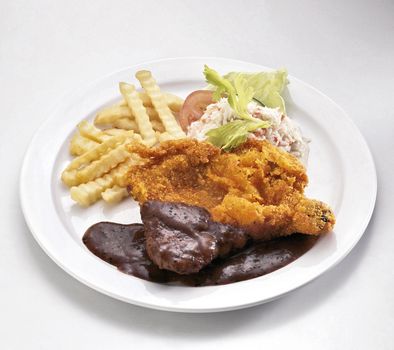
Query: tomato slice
<point x="194" y="107"/>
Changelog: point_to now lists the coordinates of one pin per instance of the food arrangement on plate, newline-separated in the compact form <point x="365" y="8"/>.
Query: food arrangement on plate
<point x="219" y="177"/>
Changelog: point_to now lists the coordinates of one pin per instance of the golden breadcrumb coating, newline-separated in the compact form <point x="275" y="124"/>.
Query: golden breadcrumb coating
<point x="256" y="186"/>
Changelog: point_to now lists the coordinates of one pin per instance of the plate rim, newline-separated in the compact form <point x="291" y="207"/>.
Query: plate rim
<point x="87" y="86"/>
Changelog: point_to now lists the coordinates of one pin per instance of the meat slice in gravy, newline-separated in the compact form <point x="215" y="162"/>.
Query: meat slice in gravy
<point x="184" y="239"/>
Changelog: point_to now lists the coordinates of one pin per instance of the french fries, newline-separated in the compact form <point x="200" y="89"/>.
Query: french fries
<point x="173" y="102"/>
<point x="158" y="126"/>
<point x="88" y="193"/>
<point x="125" y="124"/>
<point x="165" y="136"/>
<point x="136" y="106"/>
<point x="102" y="158"/>
<point x="159" y="102"/>
<point x="98" y="161"/>
<point x="121" y="171"/>
<point x="115" y="131"/>
<point x="99" y="150"/>
<point x="112" y="114"/>
<point x="91" y="132"/>
<point x="101" y="166"/>
<point x="114" y="194"/>
<point x="80" y="144"/>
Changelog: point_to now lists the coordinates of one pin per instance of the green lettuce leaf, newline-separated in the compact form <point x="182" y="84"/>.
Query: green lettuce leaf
<point x="234" y="133"/>
<point x="237" y="91"/>
<point x="267" y="86"/>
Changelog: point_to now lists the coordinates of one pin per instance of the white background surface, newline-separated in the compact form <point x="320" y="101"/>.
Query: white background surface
<point x="345" y="49"/>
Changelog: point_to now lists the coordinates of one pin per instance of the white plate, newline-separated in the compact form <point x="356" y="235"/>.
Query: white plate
<point x="341" y="173"/>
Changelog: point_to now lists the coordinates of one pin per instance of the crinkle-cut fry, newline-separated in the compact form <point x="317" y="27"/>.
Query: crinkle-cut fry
<point x="158" y="126"/>
<point x="153" y="115"/>
<point x="113" y="113"/>
<point x="159" y="102"/>
<point x="126" y="124"/>
<point x="80" y="144"/>
<point x="138" y="110"/>
<point x="103" y="165"/>
<point x="165" y="136"/>
<point x="99" y="150"/>
<point x="97" y="168"/>
<point x="89" y="193"/>
<point x="136" y="138"/>
<point x="120" y="102"/>
<point x="110" y="114"/>
<point x="114" y="194"/>
<point x="115" y="131"/>
<point x="123" y="169"/>
<point x="174" y="102"/>
<point x="69" y="178"/>
<point x="91" y="132"/>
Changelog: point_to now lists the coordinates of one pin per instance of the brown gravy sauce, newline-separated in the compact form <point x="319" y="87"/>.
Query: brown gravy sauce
<point x="124" y="247"/>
